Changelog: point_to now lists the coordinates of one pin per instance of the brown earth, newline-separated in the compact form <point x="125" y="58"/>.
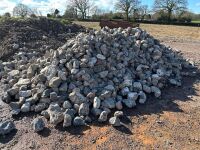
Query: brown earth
<point x="37" y="34"/>
<point x="171" y="122"/>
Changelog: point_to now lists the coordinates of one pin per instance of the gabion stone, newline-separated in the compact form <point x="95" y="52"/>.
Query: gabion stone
<point x="114" y="121"/>
<point x="96" y="102"/>
<point x="55" y="82"/>
<point x="38" y="124"/>
<point x="6" y="127"/>
<point x="67" y="120"/>
<point x="78" y="121"/>
<point x="103" y="116"/>
<point x="84" y="109"/>
<point x="90" y="75"/>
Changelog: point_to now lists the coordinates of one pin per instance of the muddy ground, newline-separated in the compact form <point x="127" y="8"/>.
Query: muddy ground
<point x="171" y="122"/>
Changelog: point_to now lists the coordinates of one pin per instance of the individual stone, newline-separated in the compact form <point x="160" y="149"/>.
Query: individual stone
<point x="129" y="103"/>
<point x="105" y="94"/>
<point x="92" y="61"/>
<point x="137" y="86"/>
<point x="103" y="116"/>
<point x="78" y="121"/>
<point x="14" y="105"/>
<point x="118" y="114"/>
<point x="13" y="91"/>
<point x="23" y="82"/>
<point x="63" y="87"/>
<point x="132" y="96"/>
<point x="101" y="57"/>
<point x="96" y="111"/>
<point x="71" y="112"/>
<point x="26" y="107"/>
<point x="6" y="127"/>
<point x="14" y="73"/>
<point x="6" y="98"/>
<point x="53" y="96"/>
<point x="125" y="91"/>
<point x="15" y="112"/>
<point x="67" y="120"/>
<point x="119" y="105"/>
<point x="38" y="124"/>
<point x="96" y="102"/>
<point x="45" y="114"/>
<point x="84" y="109"/>
<point x="147" y="89"/>
<point x="67" y="105"/>
<point x="114" y="121"/>
<point x="109" y="103"/>
<point x="156" y="91"/>
<point x="54" y="82"/>
<point x="142" y="97"/>
<point x="55" y="113"/>
<point x="40" y="107"/>
<point x="103" y="74"/>
<point x="15" y="46"/>
<point x="25" y="94"/>
<point x="88" y="119"/>
<point x="77" y="98"/>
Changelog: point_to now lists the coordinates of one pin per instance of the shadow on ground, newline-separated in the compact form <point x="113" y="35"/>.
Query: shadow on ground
<point x="7" y="138"/>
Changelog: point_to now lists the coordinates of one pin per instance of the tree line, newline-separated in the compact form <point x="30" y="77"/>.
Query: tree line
<point x="163" y="10"/>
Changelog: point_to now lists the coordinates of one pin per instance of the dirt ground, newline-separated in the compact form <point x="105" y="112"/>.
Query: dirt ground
<point x="171" y="122"/>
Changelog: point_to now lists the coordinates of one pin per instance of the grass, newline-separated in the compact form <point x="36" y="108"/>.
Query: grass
<point x="162" y="32"/>
<point x="94" y="25"/>
<point x="178" y="33"/>
<point x="195" y="21"/>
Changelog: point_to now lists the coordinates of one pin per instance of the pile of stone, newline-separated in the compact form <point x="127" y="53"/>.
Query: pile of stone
<point x="90" y="75"/>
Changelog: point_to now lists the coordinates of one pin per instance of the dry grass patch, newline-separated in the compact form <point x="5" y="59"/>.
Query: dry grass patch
<point x="94" y="25"/>
<point x="180" y="33"/>
<point x="162" y="32"/>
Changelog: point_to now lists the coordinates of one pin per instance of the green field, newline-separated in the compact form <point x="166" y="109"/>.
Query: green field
<point x="196" y="21"/>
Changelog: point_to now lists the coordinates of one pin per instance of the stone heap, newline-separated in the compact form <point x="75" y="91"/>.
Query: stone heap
<point x="90" y="75"/>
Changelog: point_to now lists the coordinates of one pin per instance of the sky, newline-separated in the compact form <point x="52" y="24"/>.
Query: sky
<point x="45" y="6"/>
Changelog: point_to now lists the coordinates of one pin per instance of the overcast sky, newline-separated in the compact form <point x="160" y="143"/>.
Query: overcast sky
<point x="46" y="5"/>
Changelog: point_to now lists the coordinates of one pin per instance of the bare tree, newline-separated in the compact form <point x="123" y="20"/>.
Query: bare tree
<point x="82" y="6"/>
<point x="70" y="12"/>
<point x="7" y="15"/>
<point x="127" y="6"/>
<point x="21" y="10"/>
<point x="143" y="11"/>
<point x="170" y="6"/>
